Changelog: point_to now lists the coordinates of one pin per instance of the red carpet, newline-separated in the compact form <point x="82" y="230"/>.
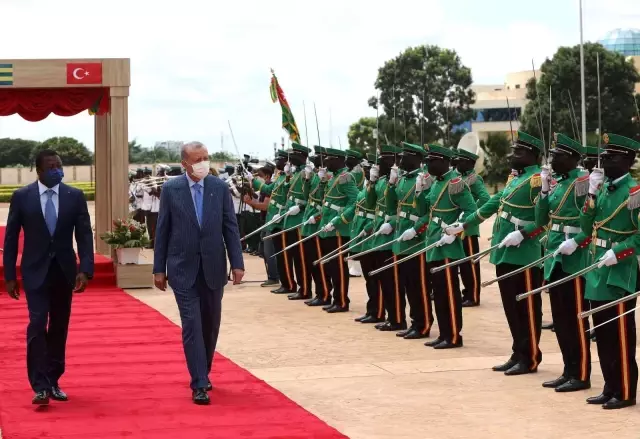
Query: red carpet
<point x="127" y="378"/>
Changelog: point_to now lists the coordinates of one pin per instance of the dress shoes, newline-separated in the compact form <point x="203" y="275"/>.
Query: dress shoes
<point x="298" y="296"/>
<point x="615" y="403"/>
<point x="328" y="306"/>
<point x="282" y="290"/>
<point x="504" y="367"/>
<point x="403" y="333"/>
<point x="446" y="344"/>
<point x="469" y="304"/>
<point x="433" y="343"/>
<point x="600" y="399"/>
<point x="269" y="283"/>
<point x="200" y="397"/>
<point x="361" y="318"/>
<point x="574" y="385"/>
<point x="336" y="308"/>
<point x="381" y="324"/>
<point x="372" y="319"/>
<point x="519" y="369"/>
<point x="41" y="398"/>
<point x="414" y="334"/>
<point x="388" y="326"/>
<point x="58" y="395"/>
<point x="555" y="383"/>
<point x="209" y="386"/>
<point x="317" y="301"/>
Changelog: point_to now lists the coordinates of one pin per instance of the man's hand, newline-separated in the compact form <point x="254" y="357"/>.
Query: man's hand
<point x="248" y="175"/>
<point x="513" y="239"/>
<point x="13" y="289"/>
<point x="608" y="259"/>
<point x="329" y="228"/>
<point x="160" y="281"/>
<point x="596" y="178"/>
<point x="237" y="274"/>
<point x="385" y="229"/>
<point x="322" y="173"/>
<point x="567" y="247"/>
<point x="393" y="175"/>
<point x="81" y="283"/>
<point x="294" y="210"/>
<point x="311" y="220"/>
<point x="446" y="240"/>
<point x="545" y="176"/>
<point x="247" y="199"/>
<point x="454" y="229"/>
<point x="374" y="173"/>
<point x="408" y="235"/>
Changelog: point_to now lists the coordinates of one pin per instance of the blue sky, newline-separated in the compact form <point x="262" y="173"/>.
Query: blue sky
<point x="197" y="64"/>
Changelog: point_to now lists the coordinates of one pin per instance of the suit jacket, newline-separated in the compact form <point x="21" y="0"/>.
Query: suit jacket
<point x="25" y="212"/>
<point x="182" y="246"/>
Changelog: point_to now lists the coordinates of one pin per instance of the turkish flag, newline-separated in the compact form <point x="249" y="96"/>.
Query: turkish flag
<point x="84" y="73"/>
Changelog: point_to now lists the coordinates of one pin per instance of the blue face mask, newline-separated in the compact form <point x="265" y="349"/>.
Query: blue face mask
<point x="52" y="177"/>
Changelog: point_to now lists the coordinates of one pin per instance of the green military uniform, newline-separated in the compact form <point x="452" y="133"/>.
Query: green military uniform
<point x="610" y="223"/>
<point x="357" y="171"/>
<point x="515" y="209"/>
<point x="559" y="211"/>
<point x="469" y="272"/>
<point x="411" y="274"/>
<point x="341" y="192"/>
<point x="447" y="200"/>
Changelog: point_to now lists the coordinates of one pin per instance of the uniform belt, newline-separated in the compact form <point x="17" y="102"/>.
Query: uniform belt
<point x="603" y="243"/>
<point x="565" y="229"/>
<point x="408" y="216"/>
<point x="298" y="201"/>
<point x="333" y="206"/>
<point x="439" y="221"/>
<point x="386" y="217"/>
<point x="366" y="215"/>
<point x="513" y="220"/>
<point x="273" y="203"/>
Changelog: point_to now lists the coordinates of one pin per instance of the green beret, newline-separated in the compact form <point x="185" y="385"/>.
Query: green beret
<point x="440" y="151"/>
<point x="615" y="141"/>
<point x="371" y="158"/>
<point x="320" y="149"/>
<point x="413" y="149"/>
<point x="528" y="141"/>
<point x="335" y="152"/>
<point x="354" y="154"/>
<point x="300" y="148"/>
<point x="282" y="153"/>
<point x="566" y="143"/>
<point x="390" y="149"/>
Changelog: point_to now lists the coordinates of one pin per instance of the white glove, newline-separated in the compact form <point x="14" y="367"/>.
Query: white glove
<point x="454" y="229"/>
<point x="293" y="169"/>
<point x="249" y="176"/>
<point x="308" y="172"/>
<point x="287" y="169"/>
<point x="322" y="173"/>
<point x="567" y="247"/>
<point x="446" y="240"/>
<point x="608" y="259"/>
<point x="276" y="218"/>
<point x="545" y="175"/>
<point x="385" y="229"/>
<point x="596" y="178"/>
<point x="329" y="228"/>
<point x="513" y="239"/>
<point x="393" y="175"/>
<point x="420" y="182"/>
<point x="408" y="235"/>
<point x="374" y="173"/>
<point x="311" y="220"/>
<point x="294" y="210"/>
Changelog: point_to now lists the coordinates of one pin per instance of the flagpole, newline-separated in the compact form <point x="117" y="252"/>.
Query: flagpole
<point x="582" y="86"/>
<point x="330" y="130"/>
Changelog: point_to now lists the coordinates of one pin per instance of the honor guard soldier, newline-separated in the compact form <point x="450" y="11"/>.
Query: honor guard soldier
<point x="559" y="208"/>
<point x="311" y="224"/>
<point x="448" y="199"/>
<point x="516" y="235"/>
<point x="341" y="192"/>
<point x="295" y="207"/>
<point x="354" y="159"/>
<point x="411" y="274"/>
<point x="363" y="221"/>
<point x="469" y="162"/>
<point x="609" y="223"/>
<point x="277" y="191"/>
<point x="380" y="176"/>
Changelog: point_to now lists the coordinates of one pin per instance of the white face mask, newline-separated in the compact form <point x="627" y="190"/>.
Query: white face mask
<point x="200" y="169"/>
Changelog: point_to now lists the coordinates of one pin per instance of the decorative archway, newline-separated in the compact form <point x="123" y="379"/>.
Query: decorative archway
<point x="34" y="89"/>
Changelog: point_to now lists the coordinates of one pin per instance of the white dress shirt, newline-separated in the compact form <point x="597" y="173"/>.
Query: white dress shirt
<point x="42" y="189"/>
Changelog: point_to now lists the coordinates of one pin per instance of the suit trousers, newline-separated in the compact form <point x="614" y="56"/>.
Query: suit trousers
<point x="49" y="314"/>
<point x="616" y="343"/>
<point x="270" y="264"/>
<point x="416" y="285"/>
<point x="300" y="262"/>
<point x="321" y="280"/>
<point x="285" y="271"/>
<point x="373" y="284"/>
<point x="567" y="302"/>
<point x="524" y="317"/>
<point x="447" y="298"/>
<point x="394" y="298"/>
<point x="470" y="272"/>
<point x="200" y="312"/>
<point x="337" y="270"/>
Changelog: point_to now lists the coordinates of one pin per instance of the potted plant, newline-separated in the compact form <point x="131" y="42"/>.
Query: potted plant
<point x="128" y="237"/>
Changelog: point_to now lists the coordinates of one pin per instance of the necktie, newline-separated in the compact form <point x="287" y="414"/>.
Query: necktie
<point x="198" y="200"/>
<point x="50" y="216"/>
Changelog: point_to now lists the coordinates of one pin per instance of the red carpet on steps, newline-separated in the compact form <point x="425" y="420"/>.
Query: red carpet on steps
<point x="127" y="378"/>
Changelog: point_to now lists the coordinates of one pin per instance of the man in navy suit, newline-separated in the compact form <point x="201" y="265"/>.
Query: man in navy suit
<point x="49" y="212"/>
<point x="196" y="225"/>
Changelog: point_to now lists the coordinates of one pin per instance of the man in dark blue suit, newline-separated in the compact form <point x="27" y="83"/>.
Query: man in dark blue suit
<point x="49" y="212"/>
<point x="196" y="225"/>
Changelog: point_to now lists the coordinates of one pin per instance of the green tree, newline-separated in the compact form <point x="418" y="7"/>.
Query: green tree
<point x="71" y="151"/>
<point x="496" y="163"/>
<point x="561" y="74"/>
<point x="135" y="151"/>
<point x="222" y="156"/>
<point x="15" y="152"/>
<point x="424" y="92"/>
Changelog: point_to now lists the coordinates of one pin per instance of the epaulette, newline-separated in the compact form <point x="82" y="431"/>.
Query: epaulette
<point x="581" y="186"/>
<point x="536" y="181"/>
<point x="344" y="177"/>
<point x="553" y="184"/>
<point x="634" y="198"/>
<point x="472" y="179"/>
<point x="456" y="186"/>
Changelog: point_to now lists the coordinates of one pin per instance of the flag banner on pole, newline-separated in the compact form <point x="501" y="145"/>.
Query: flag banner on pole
<point x="288" y="122"/>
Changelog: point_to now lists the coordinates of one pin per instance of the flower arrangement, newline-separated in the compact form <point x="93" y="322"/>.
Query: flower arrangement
<point x="127" y="233"/>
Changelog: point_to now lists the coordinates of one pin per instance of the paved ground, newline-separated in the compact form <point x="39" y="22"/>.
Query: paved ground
<point x="372" y="385"/>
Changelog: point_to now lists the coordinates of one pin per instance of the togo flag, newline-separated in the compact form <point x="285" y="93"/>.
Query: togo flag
<point x="288" y="122"/>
